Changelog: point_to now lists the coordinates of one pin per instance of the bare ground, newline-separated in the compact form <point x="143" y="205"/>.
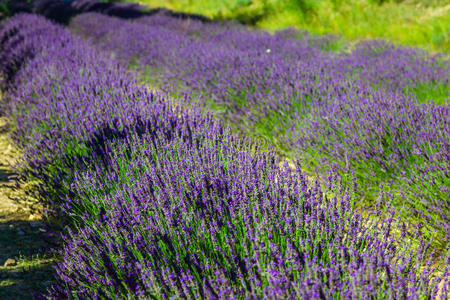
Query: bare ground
<point x="25" y="262"/>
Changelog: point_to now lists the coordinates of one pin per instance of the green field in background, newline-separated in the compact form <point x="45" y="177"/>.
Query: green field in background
<point x="422" y="23"/>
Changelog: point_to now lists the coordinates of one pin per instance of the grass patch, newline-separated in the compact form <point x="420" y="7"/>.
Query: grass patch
<point x="417" y="23"/>
<point x="428" y="92"/>
<point x="34" y="262"/>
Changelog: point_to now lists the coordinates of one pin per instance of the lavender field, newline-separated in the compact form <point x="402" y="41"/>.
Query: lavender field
<point x="182" y="158"/>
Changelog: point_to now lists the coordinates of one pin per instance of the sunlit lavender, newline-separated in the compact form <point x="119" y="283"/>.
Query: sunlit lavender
<point x="243" y="176"/>
<point x="359" y="114"/>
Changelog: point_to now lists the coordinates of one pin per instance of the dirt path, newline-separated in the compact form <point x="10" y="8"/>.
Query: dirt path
<point x="25" y="264"/>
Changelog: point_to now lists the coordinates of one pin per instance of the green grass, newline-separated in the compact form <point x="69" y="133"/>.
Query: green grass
<point x="426" y="93"/>
<point x="419" y="23"/>
<point x="34" y="261"/>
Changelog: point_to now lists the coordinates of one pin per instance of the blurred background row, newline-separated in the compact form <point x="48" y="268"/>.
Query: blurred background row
<point x="421" y="23"/>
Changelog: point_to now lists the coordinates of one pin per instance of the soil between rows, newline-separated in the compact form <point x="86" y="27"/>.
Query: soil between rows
<point x="25" y="261"/>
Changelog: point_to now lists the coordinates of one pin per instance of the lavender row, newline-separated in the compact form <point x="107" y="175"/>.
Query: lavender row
<point x="162" y="201"/>
<point x="351" y="113"/>
<point x="377" y="61"/>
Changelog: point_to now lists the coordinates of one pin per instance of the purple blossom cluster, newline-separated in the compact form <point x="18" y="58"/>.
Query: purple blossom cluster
<point x="160" y="200"/>
<point x="354" y="113"/>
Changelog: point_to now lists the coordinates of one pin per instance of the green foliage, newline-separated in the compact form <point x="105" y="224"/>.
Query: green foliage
<point x="423" y="23"/>
<point x="10" y="7"/>
<point x="437" y="93"/>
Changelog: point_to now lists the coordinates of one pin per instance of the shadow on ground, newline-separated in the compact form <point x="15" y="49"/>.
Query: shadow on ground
<point x="63" y="11"/>
<point x="25" y="259"/>
<point x="5" y="175"/>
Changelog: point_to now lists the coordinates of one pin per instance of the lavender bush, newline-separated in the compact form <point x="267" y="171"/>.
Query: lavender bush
<point x="160" y="200"/>
<point x="357" y="114"/>
<point x="186" y="212"/>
